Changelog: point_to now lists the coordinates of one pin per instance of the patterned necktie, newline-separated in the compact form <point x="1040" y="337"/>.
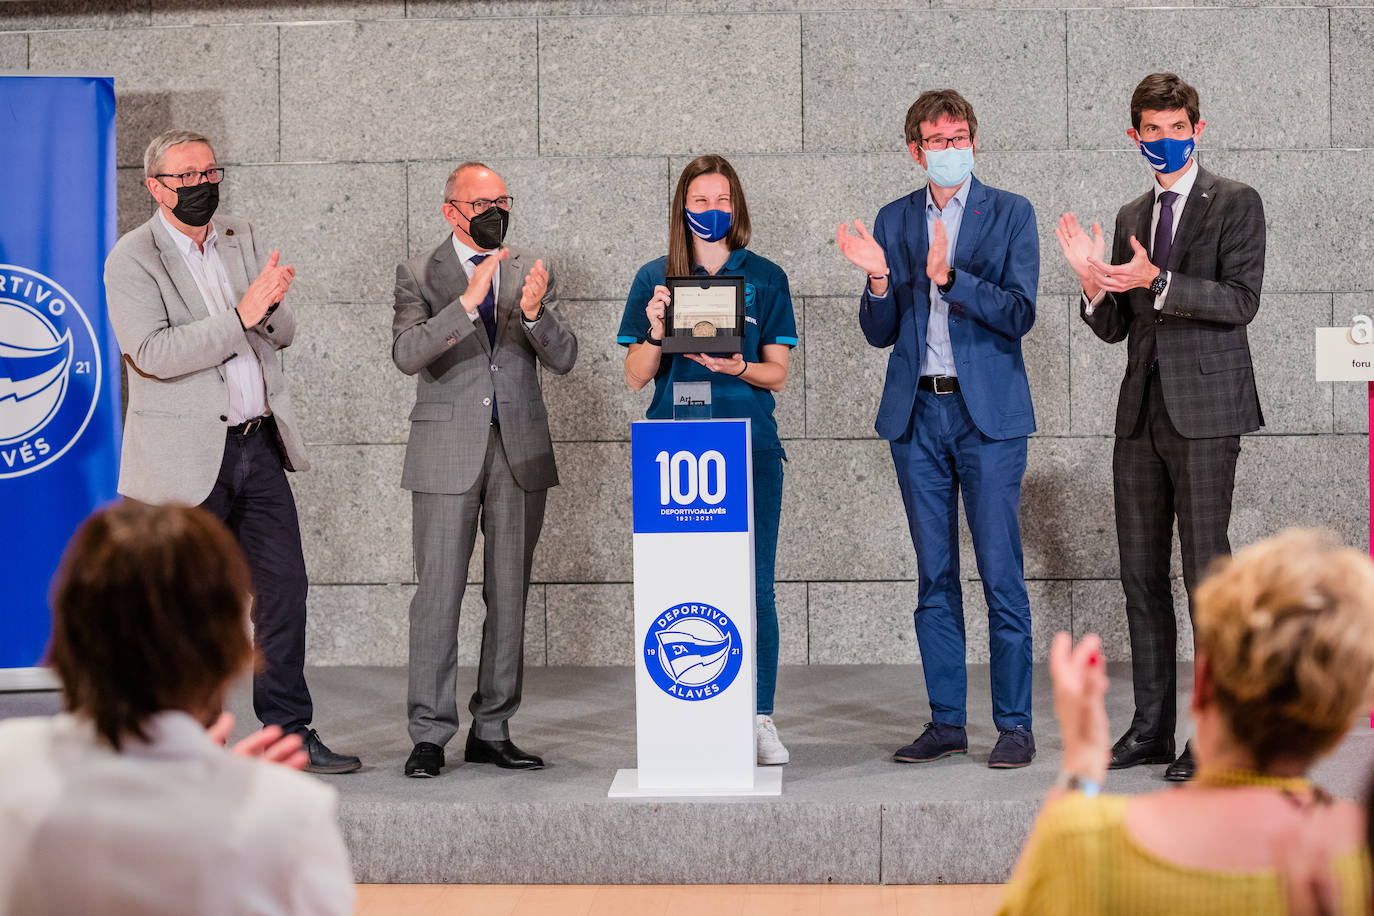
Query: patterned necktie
<point x="487" y="310"/>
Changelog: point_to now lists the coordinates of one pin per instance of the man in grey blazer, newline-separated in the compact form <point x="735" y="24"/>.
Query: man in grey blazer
<point x="1182" y="305"/>
<point x="209" y="420"/>
<point x="473" y="322"/>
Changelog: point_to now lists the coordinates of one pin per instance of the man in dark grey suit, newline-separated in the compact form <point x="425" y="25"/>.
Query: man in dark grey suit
<point x="210" y="421"/>
<point x="474" y="321"/>
<point x="1182" y="305"/>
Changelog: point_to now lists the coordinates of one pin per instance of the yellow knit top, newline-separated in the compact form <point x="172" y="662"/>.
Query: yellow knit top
<point x="1081" y="859"/>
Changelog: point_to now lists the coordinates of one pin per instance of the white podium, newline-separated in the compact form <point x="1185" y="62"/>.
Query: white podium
<point x="694" y="613"/>
<point x="1347" y="355"/>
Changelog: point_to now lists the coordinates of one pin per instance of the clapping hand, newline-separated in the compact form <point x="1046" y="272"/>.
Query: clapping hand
<point x="937" y="257"/>
<point x="1136" y="273"/>
<point x="861" y="250"/>
<point x="1081" y="251"/>
<point x="1079" y="674"/>
<point x="480" y="284"/>
<point x="265" y="291"/>
<point x="268" y="744"/>
<point x="532" y="295"/>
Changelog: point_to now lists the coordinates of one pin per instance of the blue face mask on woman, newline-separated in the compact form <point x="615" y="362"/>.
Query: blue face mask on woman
<point x="949" y="167"/>
<point x="709" y="225"/>
<point x="1167" y="154"/>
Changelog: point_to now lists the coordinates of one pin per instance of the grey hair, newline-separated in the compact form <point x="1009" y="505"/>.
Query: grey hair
<point x="157" y="149"/>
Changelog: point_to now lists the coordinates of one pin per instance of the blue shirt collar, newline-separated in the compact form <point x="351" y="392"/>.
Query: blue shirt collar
<point x="960" y="195"/>
<point x="732" y="263"/>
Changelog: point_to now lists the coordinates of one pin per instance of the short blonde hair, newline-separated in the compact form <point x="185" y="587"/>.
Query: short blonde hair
<point x="157" y="149"/>
<point x="1287" y="626"/>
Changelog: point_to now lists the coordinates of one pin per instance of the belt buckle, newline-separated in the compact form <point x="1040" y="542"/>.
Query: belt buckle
<point x="252" y="426"/>
<point x="938" y="387"/>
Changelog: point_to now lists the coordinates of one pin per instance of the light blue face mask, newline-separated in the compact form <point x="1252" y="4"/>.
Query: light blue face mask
<point x="1167" y="154"/>
<point x="709" y="225"/>
<point x="949" y="167"/>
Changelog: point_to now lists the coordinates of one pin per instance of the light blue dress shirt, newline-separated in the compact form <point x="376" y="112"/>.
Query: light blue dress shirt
<point x="939" y="356"/>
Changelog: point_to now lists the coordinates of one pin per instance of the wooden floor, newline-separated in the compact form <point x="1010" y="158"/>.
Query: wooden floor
<point x="690" y="900"/>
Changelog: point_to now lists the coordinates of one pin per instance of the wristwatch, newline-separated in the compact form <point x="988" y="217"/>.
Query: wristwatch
<point x="1072" y="782"/>
<point x="948" y="284"/>
<point x="1159" y="283"/>
<point x="650" y="339"/>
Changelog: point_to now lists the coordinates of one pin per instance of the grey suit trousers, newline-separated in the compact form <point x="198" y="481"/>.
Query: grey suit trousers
<point x="1160" y="474"/>
<point x="445" y="528"/>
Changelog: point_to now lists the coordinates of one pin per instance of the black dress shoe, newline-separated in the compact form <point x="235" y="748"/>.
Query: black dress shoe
<point x="938" y="740"/>
<point x="502" y="753"/>
<point x="1134" y="749"/>
<point x="1015" y="748"/>
<point x="323" y="760"/>
<point x="425" y="761"/>
<point x="1182" y="769"/>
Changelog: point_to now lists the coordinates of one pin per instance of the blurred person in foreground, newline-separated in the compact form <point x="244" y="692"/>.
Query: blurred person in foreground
<point x="1285" y="658"/>
<point x="126" y="803"/>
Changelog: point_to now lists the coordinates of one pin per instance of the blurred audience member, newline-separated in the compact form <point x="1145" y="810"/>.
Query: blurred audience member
<point x="1285" y="658"/>
<point x="124" y="803"/>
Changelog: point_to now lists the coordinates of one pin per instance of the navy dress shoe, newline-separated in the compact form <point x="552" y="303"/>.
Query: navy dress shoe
<point x="1134" y="749"/>
<point x="502" y="753"/>
<point x="938" y="740"/>
<point x="323" y="760"/>
<point x="425" y="761"/>
<point x="1015" y="748"/>
<point x="1182" y="769"/>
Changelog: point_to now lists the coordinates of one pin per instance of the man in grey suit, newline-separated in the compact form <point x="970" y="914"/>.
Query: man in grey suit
<point x="474" y="321"/>
<point x="210" y="420"/>
<point x="1182" y="305"/>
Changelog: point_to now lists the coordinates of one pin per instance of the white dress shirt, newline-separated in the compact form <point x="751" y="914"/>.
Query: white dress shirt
<point x="176" y="825"/>
<point x="243" y="374"/>
<point x="1183" y="187"/>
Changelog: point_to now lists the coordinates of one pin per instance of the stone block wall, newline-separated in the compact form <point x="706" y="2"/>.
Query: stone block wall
<point x="339" y="121"/>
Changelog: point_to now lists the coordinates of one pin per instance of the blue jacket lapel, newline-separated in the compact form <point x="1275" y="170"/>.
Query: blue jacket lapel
<point x="973" y="224"/>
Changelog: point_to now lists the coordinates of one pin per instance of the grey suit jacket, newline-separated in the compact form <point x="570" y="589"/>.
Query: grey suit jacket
<point x="459" y="373"/>
<point x="175" y="350"/>
<point x="1217" y="260"/>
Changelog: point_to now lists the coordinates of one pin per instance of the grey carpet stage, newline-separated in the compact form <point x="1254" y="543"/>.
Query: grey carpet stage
<point x="847" y="814"/>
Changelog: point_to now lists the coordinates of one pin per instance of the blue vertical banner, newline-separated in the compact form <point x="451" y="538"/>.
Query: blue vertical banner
<point x="59" y="362"/>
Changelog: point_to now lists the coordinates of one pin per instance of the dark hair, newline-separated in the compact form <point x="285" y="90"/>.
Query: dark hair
<point x="1163" y="92"/>
<point x="679" y="236"/>
<point x="933" y="103"/>
<point x="148" y="615"/>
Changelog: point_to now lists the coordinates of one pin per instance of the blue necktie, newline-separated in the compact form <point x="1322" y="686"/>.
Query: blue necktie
<point x="487" y="310"/>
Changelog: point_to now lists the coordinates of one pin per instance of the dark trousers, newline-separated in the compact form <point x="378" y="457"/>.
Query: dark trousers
<point x="253" y="498"/>
<point x="1158" y="475"/>
<point x="767" y="516"/>
<point x="941" y="455"/>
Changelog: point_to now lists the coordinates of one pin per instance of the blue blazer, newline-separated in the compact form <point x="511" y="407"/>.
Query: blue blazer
<point x="991" y="307"/>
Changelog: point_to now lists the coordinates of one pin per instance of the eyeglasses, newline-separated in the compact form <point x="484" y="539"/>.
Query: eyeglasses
<point x="193" y="177"/>
<point x="482" y="205"/>
<point x="935" y="144"/>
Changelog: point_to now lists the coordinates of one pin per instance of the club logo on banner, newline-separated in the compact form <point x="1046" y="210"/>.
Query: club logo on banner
<point x="692" y="651"/>
<point x="49" y="371"/>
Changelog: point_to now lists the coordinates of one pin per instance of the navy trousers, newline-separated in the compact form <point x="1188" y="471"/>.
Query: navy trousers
<point x="941" y="455"/>
<point x="254" y="500"/>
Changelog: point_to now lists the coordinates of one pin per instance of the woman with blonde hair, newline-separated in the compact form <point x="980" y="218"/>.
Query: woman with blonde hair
<point x="1284" y="664"/>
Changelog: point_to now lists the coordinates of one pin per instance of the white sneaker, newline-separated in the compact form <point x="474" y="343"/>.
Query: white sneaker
<point x="771" y="750"/>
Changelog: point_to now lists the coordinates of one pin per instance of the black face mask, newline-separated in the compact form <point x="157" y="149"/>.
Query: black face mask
<point x="196" y="204"/>
<point x="488" y="230"/>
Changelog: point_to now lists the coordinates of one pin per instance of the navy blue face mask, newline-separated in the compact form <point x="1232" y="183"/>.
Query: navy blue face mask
<point x="1166" y="154"/>
<point x="709" y="225"/>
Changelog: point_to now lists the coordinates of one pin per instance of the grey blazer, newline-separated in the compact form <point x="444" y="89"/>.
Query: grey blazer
<point x="1204" y="353"/>
<point x="175" y="350"/>
<point x="459" y="373"/>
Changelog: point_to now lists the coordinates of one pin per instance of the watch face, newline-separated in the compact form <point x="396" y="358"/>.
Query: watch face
<point x="1157" y="284"/>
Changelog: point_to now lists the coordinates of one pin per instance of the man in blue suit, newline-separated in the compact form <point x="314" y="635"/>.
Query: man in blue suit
<point x="952" y="272"/>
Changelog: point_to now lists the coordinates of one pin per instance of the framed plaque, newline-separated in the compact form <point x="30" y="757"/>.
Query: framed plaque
<point x="705" y="314"/>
